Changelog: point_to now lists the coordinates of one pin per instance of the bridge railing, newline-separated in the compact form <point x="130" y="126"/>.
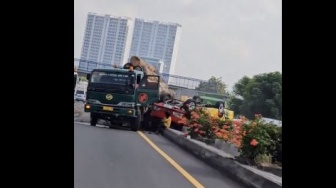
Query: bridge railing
<point x="86" y="66"/>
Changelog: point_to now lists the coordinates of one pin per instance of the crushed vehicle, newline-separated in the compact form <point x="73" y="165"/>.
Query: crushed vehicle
<point x="179" y="109"/>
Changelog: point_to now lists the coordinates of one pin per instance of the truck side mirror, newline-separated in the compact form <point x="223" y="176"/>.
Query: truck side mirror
<point x="88" y="76"/>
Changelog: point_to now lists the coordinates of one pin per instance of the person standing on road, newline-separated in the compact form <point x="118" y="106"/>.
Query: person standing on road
<point x="165" y="123"/>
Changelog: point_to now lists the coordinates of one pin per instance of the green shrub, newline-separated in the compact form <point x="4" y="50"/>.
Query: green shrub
<point x="260" y="139"/>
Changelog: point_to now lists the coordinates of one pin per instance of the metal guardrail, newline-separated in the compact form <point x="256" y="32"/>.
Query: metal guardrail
<point x="86" y="66"/>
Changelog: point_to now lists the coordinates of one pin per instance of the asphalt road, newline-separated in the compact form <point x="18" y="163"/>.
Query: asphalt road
<point x="111" y="158"/>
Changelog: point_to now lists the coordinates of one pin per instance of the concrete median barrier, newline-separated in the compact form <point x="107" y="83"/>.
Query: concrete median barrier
<point x="225" y="162"/>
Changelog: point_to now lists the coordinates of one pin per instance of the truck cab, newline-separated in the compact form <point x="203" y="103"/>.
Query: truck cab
<point x="120" y="95"/>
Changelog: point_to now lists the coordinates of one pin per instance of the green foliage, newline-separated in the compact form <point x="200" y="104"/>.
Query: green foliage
<point x="214" y="85"/>
<point x="261" y="94"/>
<point x="260" y="136"/>
<point x="257" y="140"/>
<point x="263" y="159"/>
<point x="260" y="139"/>
<point x="234" y="104"/>
<point x="277" y="153"/>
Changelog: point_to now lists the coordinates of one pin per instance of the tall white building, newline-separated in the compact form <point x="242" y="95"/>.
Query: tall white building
<point x="107" y="40"/>
<point x="155" y="39"/>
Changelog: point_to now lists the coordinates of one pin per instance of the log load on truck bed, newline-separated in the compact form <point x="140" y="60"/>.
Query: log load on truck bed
<point x="148" y="69"/>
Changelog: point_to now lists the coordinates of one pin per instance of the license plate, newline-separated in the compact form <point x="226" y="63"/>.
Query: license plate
<point x="107" y="108"/>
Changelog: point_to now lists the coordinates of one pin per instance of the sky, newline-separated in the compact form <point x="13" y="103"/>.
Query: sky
<point x="222" y="38"/>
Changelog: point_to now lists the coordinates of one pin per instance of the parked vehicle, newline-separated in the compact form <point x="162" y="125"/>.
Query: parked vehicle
<point x="80" y="95"/>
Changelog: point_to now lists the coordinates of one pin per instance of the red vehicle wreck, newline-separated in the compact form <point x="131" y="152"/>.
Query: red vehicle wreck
<point x="176" y="108"/>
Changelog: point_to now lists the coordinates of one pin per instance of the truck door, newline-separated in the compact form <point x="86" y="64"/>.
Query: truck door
<point x="148" y="90"/>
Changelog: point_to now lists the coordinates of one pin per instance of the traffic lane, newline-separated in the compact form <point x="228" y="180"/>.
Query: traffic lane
<point x="118" y="158"/>
<point x="205" y="174"/>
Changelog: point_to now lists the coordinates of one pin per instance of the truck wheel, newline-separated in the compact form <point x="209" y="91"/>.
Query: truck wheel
<point x="93" y="119"/>
<point x="184" y="108"/>
<point x="135" y="124"/>
<point x="220" y="106"/>
<point x="165" y="97"/>
<point x="197" y="99"/>
<point x="190" y="104"/>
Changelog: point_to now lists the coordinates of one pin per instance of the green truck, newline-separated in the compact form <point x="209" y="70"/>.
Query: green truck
<point x="120" y="95"/>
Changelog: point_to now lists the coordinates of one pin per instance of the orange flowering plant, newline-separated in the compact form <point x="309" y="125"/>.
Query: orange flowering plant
<point x="253" y="138"/>
<point x="201" y="125"/>
<point x="259" y="139"/>
<point x="198" y="124"/>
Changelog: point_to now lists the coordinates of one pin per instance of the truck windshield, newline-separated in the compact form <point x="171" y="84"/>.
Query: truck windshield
<point x="112" y="81"/>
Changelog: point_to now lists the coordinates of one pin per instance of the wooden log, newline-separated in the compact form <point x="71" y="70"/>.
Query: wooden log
<point x="151" y="70"/>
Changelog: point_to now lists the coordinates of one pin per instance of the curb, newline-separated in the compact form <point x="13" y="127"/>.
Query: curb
<point x="275" y="171"/>
<point x="225" y="164"/>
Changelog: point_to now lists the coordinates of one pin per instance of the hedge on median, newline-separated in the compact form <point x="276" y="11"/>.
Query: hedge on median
<point x="256" y="140"/>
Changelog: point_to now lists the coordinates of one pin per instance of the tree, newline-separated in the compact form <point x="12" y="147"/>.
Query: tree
<point x="261" y="94"/>
<point x="214" y="85"/>
<point x="234" y="103"/>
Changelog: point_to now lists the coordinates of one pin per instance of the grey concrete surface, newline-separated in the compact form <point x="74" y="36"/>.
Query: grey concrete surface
<point x="106" y="158"/>
<point x="225" y="162"/>
<point x="205" y="174"/>
<point x="181" y="156"/>
<point x="226" y="147"/>
<point x="79" y="109"/>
